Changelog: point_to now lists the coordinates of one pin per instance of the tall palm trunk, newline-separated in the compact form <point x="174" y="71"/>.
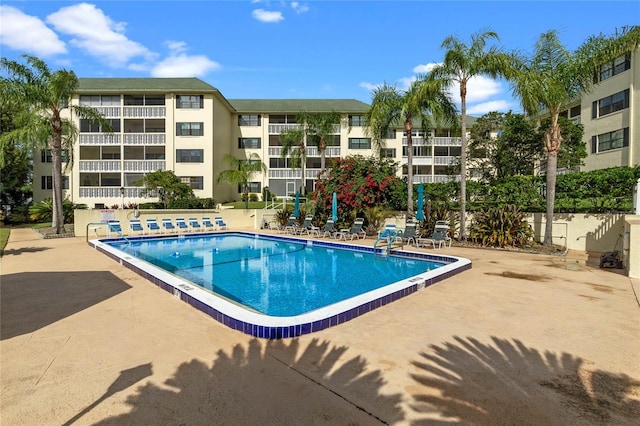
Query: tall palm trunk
<point x="303" y="163"/>
<point x="463" y="160"/>
<point x="408" y="127"/>
<point x="57" y="221"/>
<point x="322" y="147"/>
<point x="552" y="146"/>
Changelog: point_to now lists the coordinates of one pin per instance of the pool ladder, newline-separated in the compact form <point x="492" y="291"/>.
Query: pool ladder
<point x="390" y="240"/>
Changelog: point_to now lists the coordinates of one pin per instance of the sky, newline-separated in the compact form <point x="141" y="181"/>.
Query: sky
<point x="259" y="49"/>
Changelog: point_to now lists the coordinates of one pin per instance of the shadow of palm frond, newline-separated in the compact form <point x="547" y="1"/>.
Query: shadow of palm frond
<point x="267" y="383"/>
<point x="505" y="382"/>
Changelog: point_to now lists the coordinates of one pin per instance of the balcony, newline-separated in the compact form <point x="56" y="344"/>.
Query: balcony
<point x="330" y="151"/>
<point x="276" y="129"/>
<point x="447" y="141"/>
<point x="109" y="112"/>
<point x="144" y="112"/>
<point x="144" y="165"/>
<point x="145" y="139"/>
<point x="110" y="192"/>
<point x="293" y="174"/>
<point x="444" y="161"/>
<point x="434" y="178"/>
<point x="99" y="139"/>
<point x="420" y="161"/>
<point x="99" y="165"/>
<point x="416" y="141"/>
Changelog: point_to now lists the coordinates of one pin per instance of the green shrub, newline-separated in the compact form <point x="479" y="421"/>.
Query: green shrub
<point x="375" y="217"/>
<point x="283" y="215"/>
<point x="42" y="211"/>
<point x="501" y="227"/>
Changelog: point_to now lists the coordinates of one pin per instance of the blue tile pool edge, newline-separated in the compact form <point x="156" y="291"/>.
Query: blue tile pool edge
<point x="270" y="327"/>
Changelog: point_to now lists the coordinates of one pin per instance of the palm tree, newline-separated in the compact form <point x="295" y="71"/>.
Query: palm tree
<point x="241" y="171"/>
<point x="320" y="126"/>
<point x="425" y="102"/>
<point x="45" y="95"/>
<point x="294" y="145"/>
<point x="462" y="63"/>
<point x="552" y="77"/>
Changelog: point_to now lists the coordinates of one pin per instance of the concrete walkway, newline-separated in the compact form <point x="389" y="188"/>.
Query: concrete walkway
<point x="518" y="339"/>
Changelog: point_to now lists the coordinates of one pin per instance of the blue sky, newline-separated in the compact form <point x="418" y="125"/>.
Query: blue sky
<point x="282" y="49"/>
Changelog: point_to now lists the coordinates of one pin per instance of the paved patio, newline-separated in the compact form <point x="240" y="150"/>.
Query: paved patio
<point x="518" y="339"/>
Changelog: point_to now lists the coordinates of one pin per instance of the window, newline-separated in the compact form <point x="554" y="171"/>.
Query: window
<point x="274" y="140"/>
<point x="47" y="182"/>
<point x="388" y="153"/>
<point x="154" y="153"/>
<point x="144" y="100"/>
<point x="150" y="125"/>
<point x="89" y="179"/>
<point x="357" y="121"/>
<point x="415" y="133"/>
<point x="89" y="126"/>
<point x="99" y="152"/>
<point x="189" y="101"/>
<point x="249" y="120"/>
<point x="418" y="151"/>
<point x="45" y="156"/>
<point x="282" y="119"/>
<point x="248" y="143"/>
<point x="615" y="67"/>
<point x="610" y="104"/>
<point x="189" y="155"/>
<point x="195" y="182"/>
<point x="110" y="152"/>
<point x="391" y="134"/>
<point x="133" y="179"/>
<point x="189" y="129"/>
<point x="279" y="163"/>
<point x="97" y="100"/>
<point x="253" y="187"/>
<point x="609" y="141"/>
<point x="359" y="143"/>
<point x="110" y="179"/>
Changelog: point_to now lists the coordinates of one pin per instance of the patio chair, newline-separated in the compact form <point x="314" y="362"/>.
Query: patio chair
<point x="207" y="224"/>
<point x="329" y="229"/>
<point x="181" y="224"/>
<point x="305" y="227"/>
<point x="135" y="226"/>
<point x="356" y="231"/>
<point x="409" y="234"/>
<point x="220" y="222"/>
<point x="290" y="225"/>
<point x="168" y="225"/>
<point x="194" y="224"/>
<point x="152" y="226"/>
<point x="390" y="231"/>
<point x="440" y="236"/>
<point x="113" y="226"/>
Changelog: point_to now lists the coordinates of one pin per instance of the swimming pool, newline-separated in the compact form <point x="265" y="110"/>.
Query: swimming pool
<point x="276" y="286"/>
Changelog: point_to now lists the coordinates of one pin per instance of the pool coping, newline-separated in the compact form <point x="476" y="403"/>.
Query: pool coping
<point x="265" y="326"/>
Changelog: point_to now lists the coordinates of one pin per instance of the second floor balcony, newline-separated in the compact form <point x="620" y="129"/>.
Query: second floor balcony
<point x="144" y="111"/>
<point x="118" y="165"/>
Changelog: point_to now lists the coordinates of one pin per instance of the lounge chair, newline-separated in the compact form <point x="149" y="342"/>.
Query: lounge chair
<point x="152" y="226"/>
<point x="290" y="225"/>
<point x="220" y="222"/>
<point x="207" y="224"/>
<point x="194" y="224"/>
<point x="328" y="230"/>
<point x="390" y="231"/>
<point x="113" y="226"/>
<point x="305" y="227"/>
<point x="409" y="234"/>
<point x="181" y="224"/>
<point x="168" y="225"/>
<point x="135" y="226"/>
<point x="356" y="231"/>
<point x="440" y="236"/>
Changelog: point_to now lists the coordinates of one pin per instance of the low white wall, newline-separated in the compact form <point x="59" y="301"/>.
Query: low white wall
<point x="631" y="250"/>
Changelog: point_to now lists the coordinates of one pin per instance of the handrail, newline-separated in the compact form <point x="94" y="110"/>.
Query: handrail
<point x="391" y="238"/>
<point x="119" y="233"/>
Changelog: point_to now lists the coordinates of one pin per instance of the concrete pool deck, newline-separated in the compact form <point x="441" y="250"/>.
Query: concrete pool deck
<point x="518" y="339"/>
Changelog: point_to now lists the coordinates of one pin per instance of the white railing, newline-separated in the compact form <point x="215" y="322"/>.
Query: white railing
<point x="145" y="138"/>
<point x="99" y="139"/>
<point x="285" y="174"/>
<point x="434" y="178"/>
<point x="279" y="128"/>
<point x="144" y="165"/>
<point x="144" y="111"/>
<point x="110" y="192"/>
<point x="330" y="151"/>
<point x="447" y="141"/>
<point x="416" y="141"/>
<point x="444" y="161"/>
<point x="99" y="165"/>
<point x="108" y="111"/>
<point x="275" y="151"/>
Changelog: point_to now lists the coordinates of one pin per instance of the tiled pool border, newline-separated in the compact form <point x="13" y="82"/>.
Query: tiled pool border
<point x="268" y="327"/>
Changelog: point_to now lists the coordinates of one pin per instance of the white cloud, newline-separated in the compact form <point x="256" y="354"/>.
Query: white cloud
<point x="423" y="69"/>
<point x="369" y="86"/>
<point x="29" y="34"/>
<point x="299" y="8"/>
<point x="97" y="34"/>
<point x="266" y="16"/>
<point x="176" y="46"/>
<point x="182" y="65"/>
<point x="485" y="107"/>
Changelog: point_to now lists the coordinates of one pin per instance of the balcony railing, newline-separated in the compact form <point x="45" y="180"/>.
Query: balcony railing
<point x="99" y="139"/>
<point x="434" y="178"/>
<point x="444" y="161"/>
<point x="447" y="141"/>
<point x="330" y="151"/>
<point x="110" y="192"/>
<point x="416" y="141"/>
<point x="99" y="165"/>
<point x="285" y="173"/>
<point x="109" y="112"/>
<point x="276" y="129"/>
<point x="144" y="165"/>
<point x="145" y="138"/>
<point x="144" y="112"/>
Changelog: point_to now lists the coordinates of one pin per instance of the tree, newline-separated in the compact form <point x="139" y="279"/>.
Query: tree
<point x="241" y="171"/>
<point x="551" y="77"/>
<point x="425" y="102"/>
<point x="462" y="63"/>
<point x="165" y="185"/>
<point x="320" y="127"/>
<point x="294" y="146"/>
<point x="42" y="124"/>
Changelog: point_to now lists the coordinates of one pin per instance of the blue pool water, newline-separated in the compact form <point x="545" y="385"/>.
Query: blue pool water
<point x="276" y="277"/>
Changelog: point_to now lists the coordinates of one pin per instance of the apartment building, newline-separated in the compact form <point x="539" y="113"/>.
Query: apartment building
<point x="187" y="126"/>
<point x="610" y="115"/>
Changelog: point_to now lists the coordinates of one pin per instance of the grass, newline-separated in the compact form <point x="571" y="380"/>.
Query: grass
<point x="4" y="237"/>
